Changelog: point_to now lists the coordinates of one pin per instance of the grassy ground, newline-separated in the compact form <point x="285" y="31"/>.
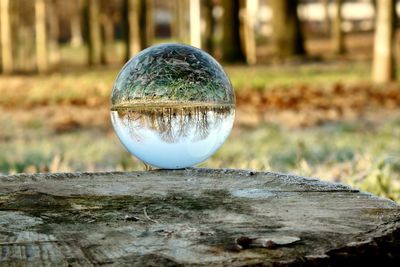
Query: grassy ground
<point x="82" y="86"/>
<point x="61" y="123"/>
<point x="363" y="153"/>
<point x="265" y="77"/>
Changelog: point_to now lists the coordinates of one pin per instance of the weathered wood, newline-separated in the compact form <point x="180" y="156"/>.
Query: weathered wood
<point x="192" y="217"/>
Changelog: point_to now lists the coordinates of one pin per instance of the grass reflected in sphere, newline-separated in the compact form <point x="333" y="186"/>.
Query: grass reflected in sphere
<point x="173" y="106"/>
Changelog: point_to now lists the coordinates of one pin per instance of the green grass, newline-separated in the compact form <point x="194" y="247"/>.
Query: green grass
<point x="359" y="154"/>
<point x="265" y="77"/>
<point x="362" y="154"/>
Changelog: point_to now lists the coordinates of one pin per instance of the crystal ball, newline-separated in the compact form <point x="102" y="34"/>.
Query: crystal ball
<point x="172" y="106"/>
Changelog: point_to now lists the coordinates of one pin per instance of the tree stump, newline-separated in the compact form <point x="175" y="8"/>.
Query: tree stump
<point x="192" y="217"/>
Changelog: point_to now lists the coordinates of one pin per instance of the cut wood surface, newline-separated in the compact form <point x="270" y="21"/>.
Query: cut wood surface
<point x="192" y="217"/>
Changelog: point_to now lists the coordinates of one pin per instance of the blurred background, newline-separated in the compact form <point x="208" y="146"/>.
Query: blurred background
<point x="315" y="82"/>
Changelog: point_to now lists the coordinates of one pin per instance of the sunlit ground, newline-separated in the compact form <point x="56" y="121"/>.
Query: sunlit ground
<point x="61" y="123"/>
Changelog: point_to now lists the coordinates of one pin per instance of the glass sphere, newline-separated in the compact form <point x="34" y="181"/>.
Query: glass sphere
<point x="173" y="106"/>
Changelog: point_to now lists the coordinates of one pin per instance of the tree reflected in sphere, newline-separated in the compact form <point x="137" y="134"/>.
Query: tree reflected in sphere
<point x="173" y="106"/>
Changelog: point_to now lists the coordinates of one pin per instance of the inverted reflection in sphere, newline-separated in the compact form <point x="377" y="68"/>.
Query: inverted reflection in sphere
<point x="173" y="106"/>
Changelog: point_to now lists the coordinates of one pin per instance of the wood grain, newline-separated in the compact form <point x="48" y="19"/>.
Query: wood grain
<point x="192" y="217"/>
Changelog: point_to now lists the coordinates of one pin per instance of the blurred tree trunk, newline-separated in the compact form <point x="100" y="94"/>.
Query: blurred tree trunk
<point x="383" y="58"/>
<point x="41" y="36"/>
<point x="231" y="47"/>
<point x="374" y="4"/>
<point x="327" y="20"/>
<point x="287" y="35"/>
<point x="131" y="9"/>
<point x="181" y="19"/>
<point x="5" y="41"/>
<point x="19" y="35"/>
<point x="76" y="25"/>
<point x="249" y="38"/>
<point x="54" y="33"/>
<point x="337" y="32"/>
<point x="174" y="24"/>
<point x="135" y="26"/>
<point x="94" y="31"/>
<point x="107" y="27"/>
<point x="209" y="23"/>
<point x="195" y="23"/>
<point x="26" y="50"/>
<point x="150" y="25"/>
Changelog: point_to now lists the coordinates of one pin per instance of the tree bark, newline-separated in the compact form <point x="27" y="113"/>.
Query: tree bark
<point x="76" y="25"/>
<point x="107" y="27"/>
<point x="41" y="36"/>
<point x="54" y="34"/>
<point x="209" y="23"/>
<point x="287" y="35"/>
<point x="195" y="23"/>
<point x="337" y="32"/>
<point x="327" y="20"/>
<point x="249" y="38"/>
<point x="181" y="20"/>
<point x="135" y="26"/>
<point x="26" y="52"/>
<point x="172" y="5"/>
<point x="383" y="58"/>
<point x="232" y="50"/>
<point x="150" y="25"/>
<point x="94" y="32"/>
<point x="6" y="39"/>
<point x="133" y="22"/>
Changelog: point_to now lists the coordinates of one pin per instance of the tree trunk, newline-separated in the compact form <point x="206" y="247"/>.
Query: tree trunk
<point x="337" y="32"/>
<point x="5" y="41"/>
<point x="76" y="25"/>
<point x="54" y="34"/>
<point x="231" y="46"/>
<point x="383" y="58"/>
<point x="150" y="25"/>
<point x="41" y="36"/>
<point x="94" y="32"/>
<point x="135" y="26"/>
<point x="172" y="5"/>
<point x="107" y="38"/>
<point x="287" y="34"/>
<point x="133" y="22"/>
<point x="209" y="23"/>
<point x="26" y="52"/>
<point x="181" y="20"/>
<point x="327" y="20"/>
<point x="249" y="38"/>
<point x="195" y="23"/>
